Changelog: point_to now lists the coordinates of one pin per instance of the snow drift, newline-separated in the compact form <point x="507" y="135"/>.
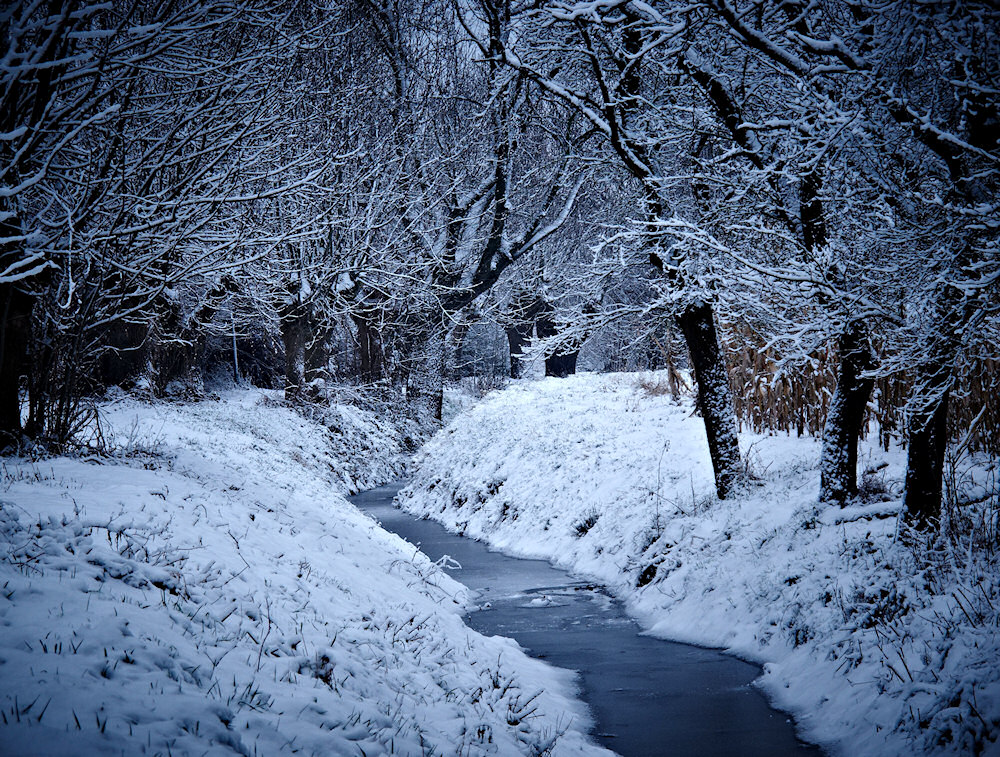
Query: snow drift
<point x="877" y="648"/>
<point x="206" y="589"/>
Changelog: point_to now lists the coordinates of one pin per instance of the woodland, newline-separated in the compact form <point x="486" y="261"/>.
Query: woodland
<point x="792" y="202"/>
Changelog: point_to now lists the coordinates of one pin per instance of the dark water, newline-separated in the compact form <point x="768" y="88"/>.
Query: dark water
<point x="648" y="697"/>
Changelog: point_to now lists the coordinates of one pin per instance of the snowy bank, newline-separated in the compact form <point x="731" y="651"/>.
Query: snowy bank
<point x="876" y="649"/>
<point x="208" y="590"/>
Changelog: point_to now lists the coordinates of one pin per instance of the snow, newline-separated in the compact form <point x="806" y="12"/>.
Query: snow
<point x="876" y="647"/>
<point x="207" y="589"/>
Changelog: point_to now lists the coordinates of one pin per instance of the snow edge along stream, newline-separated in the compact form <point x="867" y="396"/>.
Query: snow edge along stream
<point x="209" y="590"/>
<point x="864" y="644"/>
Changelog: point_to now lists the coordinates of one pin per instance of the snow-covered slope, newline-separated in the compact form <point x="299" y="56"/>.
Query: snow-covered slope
<point x="208" y="590"/>
<point x="875" y="650"/>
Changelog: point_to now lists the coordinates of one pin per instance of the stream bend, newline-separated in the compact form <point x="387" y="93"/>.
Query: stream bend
<point x="647" y="696"/>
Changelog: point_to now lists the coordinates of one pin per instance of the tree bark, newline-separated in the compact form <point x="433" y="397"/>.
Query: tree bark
<point x="440" y="365"/>
<point x="561" y="363"/>
<point x="517" y="337"/>
<point x="433" y="372"/>
<point x="934" y="379"/>
<point x="811" y="211"/>
<point x="177" y="346"/>
<point x="16" y="307"/>
<point x="316" y="352"/>
<point x="370" y="358"/>
<point x="294" y="331"/>
<point x="839" y="459"/>
<point x="715" y="401"/>
<point x="454" y="342"/>
<point x="927" y="440"/>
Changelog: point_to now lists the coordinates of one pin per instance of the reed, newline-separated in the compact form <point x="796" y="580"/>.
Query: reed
<point x="771" y="394"/>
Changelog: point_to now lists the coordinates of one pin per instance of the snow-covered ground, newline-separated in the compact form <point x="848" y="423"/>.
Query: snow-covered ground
<point x="876" y="648"/>
<point x="208" y="590"/>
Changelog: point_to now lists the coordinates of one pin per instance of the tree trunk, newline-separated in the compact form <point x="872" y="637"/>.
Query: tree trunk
<point x="715" y="401"/>
<point x="927" y="439"/>
<point x="432" y="373"/>
<point x="811" y="211"/>
<point x="561" y="363"/>
<point x="44" y="382"/>
<point x="316" y="352"/>
<point x="454" y="366"/>
<point x="839" y="459"/>
<point x="517" y="337"/>
<point x="160" y="345"/>
<point x="16" y="311"/>
<point x="177" y="345"/>
<point x="370" y="357"/>
<point x="294" y="335"/>
<point x="927" y="422"/>
<point x="442" y="349"/>
<point x="440" y="366"/>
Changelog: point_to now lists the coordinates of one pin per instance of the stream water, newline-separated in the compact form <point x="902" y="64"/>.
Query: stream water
<point x="648" y="696"/>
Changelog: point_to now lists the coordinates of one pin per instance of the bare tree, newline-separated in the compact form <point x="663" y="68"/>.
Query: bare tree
<point x="610" y="71"/>
<point x="927" y="74"/>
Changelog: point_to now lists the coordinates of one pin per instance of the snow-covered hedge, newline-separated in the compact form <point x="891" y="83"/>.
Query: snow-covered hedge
<point x="206" y="589"/>
<point x="877" y="648"/>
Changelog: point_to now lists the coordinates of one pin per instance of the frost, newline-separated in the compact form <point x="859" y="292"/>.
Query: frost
<point x="208" y="590"/>
<point x="874" y="648"/>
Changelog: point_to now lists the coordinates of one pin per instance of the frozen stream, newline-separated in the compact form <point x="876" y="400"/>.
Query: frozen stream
<point x="649" y="697"/>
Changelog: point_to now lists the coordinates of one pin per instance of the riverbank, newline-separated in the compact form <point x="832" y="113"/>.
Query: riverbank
<point x="649" y="697"/>
<point x="203" y="587"/>
<point x="875" y="648"/>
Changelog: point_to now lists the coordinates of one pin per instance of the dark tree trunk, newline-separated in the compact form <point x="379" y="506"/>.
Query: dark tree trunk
<point x="715" y="401"/>
<point x="927" y="424"/>
<point x="443" y="351"/>
<point x="294" y="332"/>
<point x="316" y="353"/>
<point x="160" y="345"/>
<point x="26" y="101"/>
<point x="561" y="363"/>
<point x="839" y="459"/>
<point x="437" y="392"/>
<point x="517" y="337"/>
<point x="370" y="358"/>
<point x="16" y="312"/>
<point x="454" y="366"/>
<point x="434" y="371"/>
<point x="927" y="439"/>
<point x="811" y="211"/>
<point x="42" y="385"/>
<point x="177" y="346"/>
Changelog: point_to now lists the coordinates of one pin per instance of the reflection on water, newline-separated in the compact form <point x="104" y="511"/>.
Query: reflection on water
<point x="648" y="697"/>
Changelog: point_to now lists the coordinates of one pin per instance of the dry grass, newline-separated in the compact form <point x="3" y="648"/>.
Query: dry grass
<point x="658" y="386"/>
<point x="768" y="398"/>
